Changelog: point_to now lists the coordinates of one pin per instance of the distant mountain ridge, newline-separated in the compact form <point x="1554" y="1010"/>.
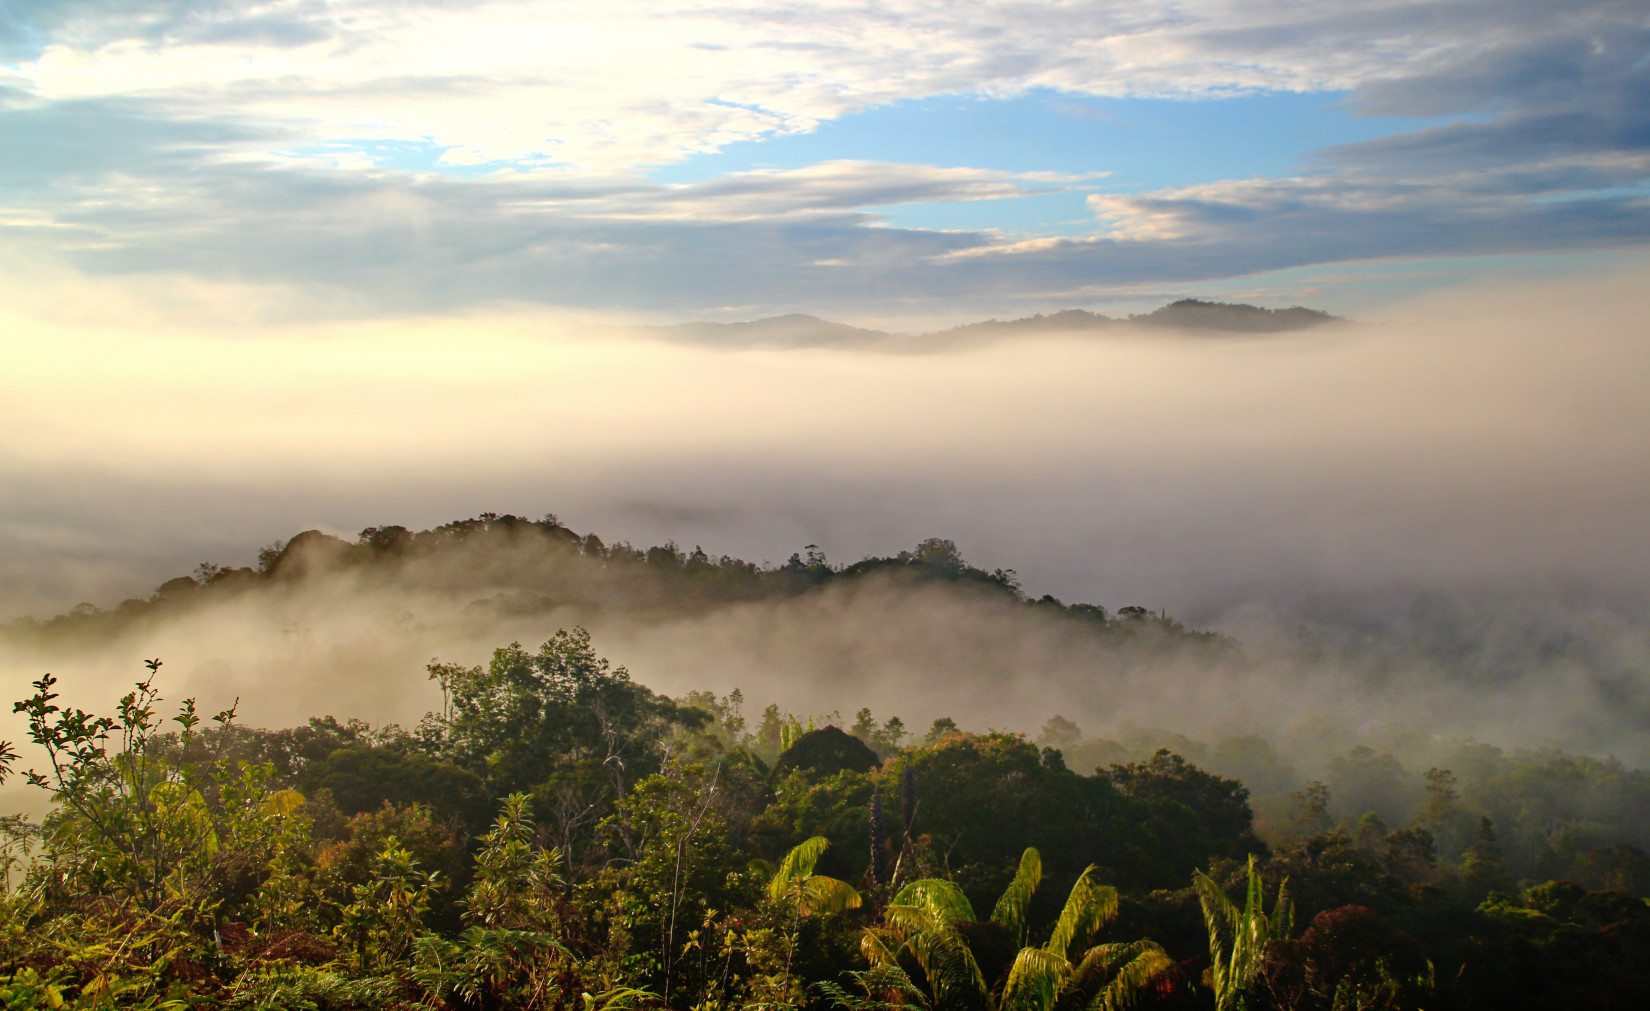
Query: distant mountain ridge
<point x="793" y="330"/>
<point x="1189" y="315"/>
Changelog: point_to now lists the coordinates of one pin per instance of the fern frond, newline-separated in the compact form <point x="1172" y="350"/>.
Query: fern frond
<point x="886" y="987"/>
<point x="1283" y="913"/>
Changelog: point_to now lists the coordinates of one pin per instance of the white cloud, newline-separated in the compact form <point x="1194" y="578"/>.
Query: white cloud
<point x="234" y="140"/>
<point x="605" y="87"/>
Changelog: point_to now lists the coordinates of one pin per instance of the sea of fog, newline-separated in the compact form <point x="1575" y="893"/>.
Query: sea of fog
<point x="1426" y="525"/>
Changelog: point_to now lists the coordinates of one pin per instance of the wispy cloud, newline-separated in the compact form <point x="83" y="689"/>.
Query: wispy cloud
<point x="270" y="141"/>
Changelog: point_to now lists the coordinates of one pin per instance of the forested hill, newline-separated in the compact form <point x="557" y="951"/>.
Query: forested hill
<point x="510" y="566"/>
<point x="554" y="834"/>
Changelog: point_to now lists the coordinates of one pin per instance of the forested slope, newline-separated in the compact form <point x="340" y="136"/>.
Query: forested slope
<point x="549" y="831"/>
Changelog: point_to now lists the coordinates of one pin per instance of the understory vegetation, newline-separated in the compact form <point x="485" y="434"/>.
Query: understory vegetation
<point x="560" y="836"/>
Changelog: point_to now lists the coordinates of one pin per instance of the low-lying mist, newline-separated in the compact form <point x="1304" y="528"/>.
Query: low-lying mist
<point x="1417" y="530"/>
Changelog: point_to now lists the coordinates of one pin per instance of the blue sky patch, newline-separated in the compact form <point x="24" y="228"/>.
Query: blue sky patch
<point x="1139" y="144"/>
<point x="1143" y="143"/>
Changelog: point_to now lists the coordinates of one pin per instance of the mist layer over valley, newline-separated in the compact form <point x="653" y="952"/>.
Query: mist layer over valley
<point x="1405" y="534"/>
<point x="1364" y="601"/>
<point x="325" y="625"/>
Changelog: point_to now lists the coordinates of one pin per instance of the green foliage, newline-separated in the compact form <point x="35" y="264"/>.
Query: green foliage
<point x="826" y="752"/>
<point x="131" y="821"/>
<point x="1220" y="805"/>
<point x="308" y="989"/>
<point x="885" y="740"/>
<point x="648" y="858"/>
<point x="384" y="919"/>
<point x="1349" y="958"/>
<point x="796" y="883"/>
<point x="488" y="967"/>
<point x="1238" y="938"/>
<point x="524" y="713"/>
<point x="927" y="922"/>
<point x="1483" y="869"/>
<point x="516" y="884"/>
<point x="364" y="777"/>
<point x="27" y="990"/>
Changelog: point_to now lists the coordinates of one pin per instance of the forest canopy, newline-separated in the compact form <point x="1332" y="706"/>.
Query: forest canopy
<point x="558" y="833"/>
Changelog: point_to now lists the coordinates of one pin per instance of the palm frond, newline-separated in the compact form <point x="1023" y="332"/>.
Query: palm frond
<point x="942" y="898"/>
<point x="1238" y="939"/>
<point x="798" y="863"/>
<point x="1087" y="908"/>
<point x="907" y="921"/>
<point x="953" y="974"/>
<point x="1113" y="977"/>
<point x="1010" y="911"/>
<point x="1220" y="920"/>
<point x="821" y="894"/>
<point x="1034" y="981"/>
<point x="880" y="947"/>
<point x="926" y="927"/>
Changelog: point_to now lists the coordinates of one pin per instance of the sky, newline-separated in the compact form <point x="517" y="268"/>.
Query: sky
<point x="273" y="266"/>
<point x="901" y="164"/>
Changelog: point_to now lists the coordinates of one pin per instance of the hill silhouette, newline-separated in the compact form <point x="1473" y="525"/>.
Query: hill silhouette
<point x="1189" y="315"/>
<point x="508" y="567"/>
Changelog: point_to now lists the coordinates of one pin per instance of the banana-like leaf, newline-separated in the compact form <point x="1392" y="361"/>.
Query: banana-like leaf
<point x="1087" y="908"/>
<point x="940" y="897"/>
<point x="1010" y="911"/>
<point x="1034" y="981"/>
<point x="798" y="863"/>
